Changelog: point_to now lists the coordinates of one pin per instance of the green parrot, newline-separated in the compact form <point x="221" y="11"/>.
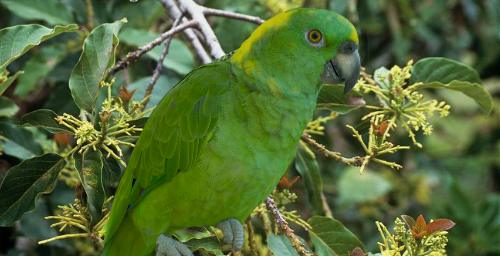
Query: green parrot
<point x="219" y="142"/>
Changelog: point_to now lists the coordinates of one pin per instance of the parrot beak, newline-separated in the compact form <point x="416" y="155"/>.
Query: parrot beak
<point x="345" y="67"/>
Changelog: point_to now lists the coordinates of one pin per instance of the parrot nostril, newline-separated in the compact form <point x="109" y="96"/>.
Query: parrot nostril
<point x="348" y="47"/>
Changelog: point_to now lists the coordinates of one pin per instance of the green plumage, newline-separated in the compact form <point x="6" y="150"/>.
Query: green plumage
<point x="220" y="140"/>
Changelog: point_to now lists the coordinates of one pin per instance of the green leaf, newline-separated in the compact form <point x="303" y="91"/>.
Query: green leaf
<point x="330" y="237"/>
<point x="7" y="107"/>
<point x="179" y="58"/>
<point x="355" y="187"/>
<point x="51" y="11"/>
<point x="111" y="175"/>
<point x="38" y="67"/>
<point x="209" y="244"/>
<point x="97" y="56"/>
<point x="17" y="40"/>
<point x="18" y="141"/>
<point x="24" y="182"/>
<point x="445" y="73"/>
<point x="45" y="119"/>
<point x="332" y="97"/>
<point x="280" y="245"/>
<point x="308" y="168"/>
<point x="141" y="14"/>
<point x="7" y="82"/>
<point x="90" y="169"/>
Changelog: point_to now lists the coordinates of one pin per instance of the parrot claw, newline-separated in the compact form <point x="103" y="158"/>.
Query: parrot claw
<point x="233" y="233"/>
<point x="167" y="246"/>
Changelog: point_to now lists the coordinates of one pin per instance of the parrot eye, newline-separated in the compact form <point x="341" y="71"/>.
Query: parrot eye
<point x="314" y="37"/>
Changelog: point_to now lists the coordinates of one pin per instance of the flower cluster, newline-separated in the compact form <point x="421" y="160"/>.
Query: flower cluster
<point x="400" y="101"/>
<point x="410" y="237"/>
<point x="114" y="127"/>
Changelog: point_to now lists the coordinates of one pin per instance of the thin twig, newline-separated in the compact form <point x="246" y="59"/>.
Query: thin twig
<point x="159" y="66"/>
<point x="90" y="14"/>
<point x="283" y="225"/>
<point x="232" y="15"/>
<point x="133" y="56"/>
<point x="174" y="13"/>
<point x="354" y="161"/>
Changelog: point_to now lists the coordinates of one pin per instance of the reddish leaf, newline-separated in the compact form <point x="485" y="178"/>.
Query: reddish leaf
<point x="439" y="225"/>
<point x="381" y="128"/>
<point x="420" y="228"/>
<point x="357" y="252"/>
<point x="286" y="183"/>
<point x="62" y="139"/>
<point x="126" y="95"/>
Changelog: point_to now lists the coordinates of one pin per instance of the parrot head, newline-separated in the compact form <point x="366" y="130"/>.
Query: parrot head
<point x="319" y="45"/>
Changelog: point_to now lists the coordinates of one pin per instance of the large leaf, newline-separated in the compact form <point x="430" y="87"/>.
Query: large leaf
<point x="24" y="182"/>
<point x="90" y="169"/>
<point x="355" y="187"/>
<point x="332" y="97"/>
<point x="7" y="107"/>
<point x="97" y="56"/>
<point x="280" y="245"/>
<point x="17" y="40"/>
<point x="18" y="141"/>
<point x="51" y="11"/>
<point x="43" y="118"/>
<point x="179" y="58"/>
<point x="307" y="166"/>
<point x="445" y="73"/>
<point x="38" y="67"/>
<point x="111" y="175"/>
<point x="4" y="84"/>
<point x="331" y="238"/>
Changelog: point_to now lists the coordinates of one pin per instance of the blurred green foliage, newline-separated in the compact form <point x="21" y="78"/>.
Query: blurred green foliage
<point x="455" y="175"/>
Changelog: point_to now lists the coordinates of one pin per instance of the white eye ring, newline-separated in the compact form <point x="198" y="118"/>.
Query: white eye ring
<point x="315" y="38"/>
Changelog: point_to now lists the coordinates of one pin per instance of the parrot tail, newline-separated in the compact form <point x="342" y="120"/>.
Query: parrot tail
<point x="122" y="237"/>
<point x="127" y="241"/>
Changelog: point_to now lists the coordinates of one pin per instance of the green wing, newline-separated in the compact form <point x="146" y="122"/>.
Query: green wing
<point x="182" y="123"/>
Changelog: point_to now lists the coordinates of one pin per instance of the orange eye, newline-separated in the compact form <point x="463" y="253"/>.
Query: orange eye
<point x="314" y="36"/>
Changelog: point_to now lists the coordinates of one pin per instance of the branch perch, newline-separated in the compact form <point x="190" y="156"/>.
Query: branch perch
<point x="283" y="225"/>
<point x="196" y="12"/>
<point x="159" y="66"/>
<point x="174" y="13"/>
<point x="354" y="161"/>
<point x="133" y="56"/>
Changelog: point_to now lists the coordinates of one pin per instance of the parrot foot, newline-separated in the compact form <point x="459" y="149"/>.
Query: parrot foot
<point x="233" y="233"/>
<point x="167" y="246"/>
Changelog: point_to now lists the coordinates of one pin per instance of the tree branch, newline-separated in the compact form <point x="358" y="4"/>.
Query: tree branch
<point x="354" y="161"/>
<point x="133" y="56"/>
<point x="283" y="225"/>
<point x="232" y="15"/>
<point x="174" y="13"/>
<point x="159" y="65"/>
<point x="196" y="12"/>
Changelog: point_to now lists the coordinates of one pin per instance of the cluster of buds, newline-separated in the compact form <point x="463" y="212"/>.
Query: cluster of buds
<point x="89" y="138"/>
<point x="400" y="101"/>
<point x="114" y="127"/>
<point x="75" y="216"/>
<point x="377" y="143"/>
<point x="414" y="237"/>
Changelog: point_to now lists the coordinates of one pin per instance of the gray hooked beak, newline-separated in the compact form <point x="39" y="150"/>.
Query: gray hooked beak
<point x="345" y="67"/>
